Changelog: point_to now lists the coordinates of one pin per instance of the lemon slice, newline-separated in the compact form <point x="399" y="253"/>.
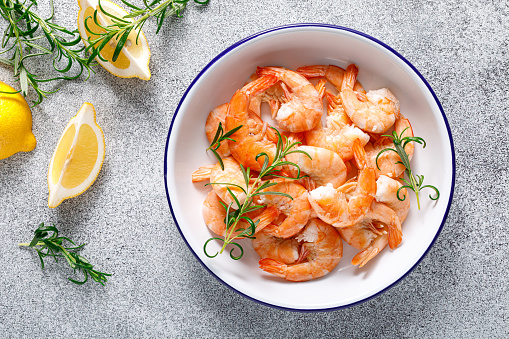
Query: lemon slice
<point x="135" y="55"/>
<point x="78" y="157"/>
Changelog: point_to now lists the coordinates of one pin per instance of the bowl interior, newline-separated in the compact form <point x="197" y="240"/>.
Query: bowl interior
<point x="292" y="47"/>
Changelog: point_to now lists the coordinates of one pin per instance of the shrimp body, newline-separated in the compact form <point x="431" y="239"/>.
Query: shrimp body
<point x="334" y="206"/>
<point x="249" y="139"/>
<point x="279" y="249"/>
<point x="297" y="211"/>
<point x="216" y="116"/>
<point x="379" y="227"/>
<point x="386" y="190"/>
<point x="320" y="253"/>
<point x="339" y="133"/>
<point x="303" y="107"/>
<point x="231" y="174"/>
<point x="324" y="166"/>
<point x="377" y="110"/>
<point x="214" y="215"/>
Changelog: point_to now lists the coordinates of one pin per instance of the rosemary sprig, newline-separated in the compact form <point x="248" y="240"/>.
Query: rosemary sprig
<point x="218" y="139"/>
<point x="29" y="36"/>
<point x="258" y="188"/>
<point x="414" y="182"/>
<point x="51" y="246"/>
<point x="120" y="27"/>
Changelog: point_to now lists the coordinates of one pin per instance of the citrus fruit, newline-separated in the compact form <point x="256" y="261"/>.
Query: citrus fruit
<point x="78" y="157"/>
<point x="15" y="123"/>
<point x="135" y="55"/>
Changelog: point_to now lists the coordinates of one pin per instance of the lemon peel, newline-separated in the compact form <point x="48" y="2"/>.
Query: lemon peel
<point x="15" y="123"/>
<point x="78" y="157"/>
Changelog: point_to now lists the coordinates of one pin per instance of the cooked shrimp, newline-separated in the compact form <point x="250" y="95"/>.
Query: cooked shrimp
<point x="336" y="208"/>
<point x="303" y="107"/>
<point x="339" y="133"/>
<point x="377" y="110"/>
<point x="332" y="73"/>
<point x="216" y="116"/>
<point x="231" y="174"/>
<point x="323" y="167"/>
<point x="279" y="249"/>
<point x="386" y="189"/>
<point x="320" y="253"/>
<point x="376" y="246"/>
<point x="249" y="140"/>
<point x="379" y="227"/>
<point x="273" y="96"/>
<point x="214" y="215"/>
<point x="388" y="162"/>
<point x="297" y="211"/>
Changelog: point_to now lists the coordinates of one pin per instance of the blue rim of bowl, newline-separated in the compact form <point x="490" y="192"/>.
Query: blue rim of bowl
<point x="319" y="25"/>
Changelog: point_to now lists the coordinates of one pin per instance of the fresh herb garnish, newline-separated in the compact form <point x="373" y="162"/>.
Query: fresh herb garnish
<point x="220" y="137"/>
<point x="121" y="27"/>
<point x="51" y="246"/>
<point x="415" y="182"/>
<point x="28" y="35"/>
<point x="258" y="188"/>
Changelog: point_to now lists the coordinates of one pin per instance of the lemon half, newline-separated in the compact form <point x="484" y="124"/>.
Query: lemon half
<point x="15" y="123"/>
<point x="78" y="157"/>
<point x="135" y="55"/>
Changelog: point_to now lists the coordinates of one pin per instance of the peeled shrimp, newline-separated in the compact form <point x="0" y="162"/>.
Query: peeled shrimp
<point x="297" y="211"/>
<point x="214" y="215"/>
<point x="279" y="249"/>
<point x="303" y="107"/>
<point x="386" y="189"/>
<point x="388" y="161"/>
<point x="379" y="227"/>
<point x="377" y="110"/>
<point x="273" y="96"/>
<point x="231" y="174"/>
<point x="320" y="253"/>
<point x="324" y="166"/>
<point x="339" y="133"/>
<point x="249" y="139"/>
<point x="216" y="116"/>
<point x="334" y="207"/>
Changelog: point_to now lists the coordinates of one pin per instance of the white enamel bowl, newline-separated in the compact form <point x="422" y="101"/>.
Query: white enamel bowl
<point x="291" y="47"/>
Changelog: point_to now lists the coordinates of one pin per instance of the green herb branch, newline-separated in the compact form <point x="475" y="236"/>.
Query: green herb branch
<point x="48" y="245"/>
<point x="414" y="182"/>
<point x="120" y="27"/>
<point x="220" y="137"/>
<point x="258" y="188"/>
<point x="29" y="36"/>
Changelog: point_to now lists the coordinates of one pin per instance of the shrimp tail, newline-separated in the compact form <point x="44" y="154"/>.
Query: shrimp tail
<point x="267" y="216"/>
<point x="363" y="257"/>
<point x="350" y="76"/>
<point x="395" y="234"/>
<point x="202" y="173"/>
<point x="315" y="71"/>
<point x="273" y="267"/>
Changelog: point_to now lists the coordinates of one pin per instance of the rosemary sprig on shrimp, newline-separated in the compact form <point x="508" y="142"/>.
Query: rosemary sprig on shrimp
<point x="218" y="139"/>
<point x="414" y="182"/>
<point x="257" y="188"/>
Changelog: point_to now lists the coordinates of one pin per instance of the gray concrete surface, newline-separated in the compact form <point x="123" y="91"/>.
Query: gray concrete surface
<point x="158" y="288"/>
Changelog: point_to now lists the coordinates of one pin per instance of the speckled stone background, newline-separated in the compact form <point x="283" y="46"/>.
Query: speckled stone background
<point x="159" y="289"/>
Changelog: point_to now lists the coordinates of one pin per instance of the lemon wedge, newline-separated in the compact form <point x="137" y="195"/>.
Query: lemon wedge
<point x="15" y="123"/>
<point x="135" y="55"/>
<point x="78" y="157"/>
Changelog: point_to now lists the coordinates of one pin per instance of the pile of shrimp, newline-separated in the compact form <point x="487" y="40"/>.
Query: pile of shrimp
<point x="345" y="196"/>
